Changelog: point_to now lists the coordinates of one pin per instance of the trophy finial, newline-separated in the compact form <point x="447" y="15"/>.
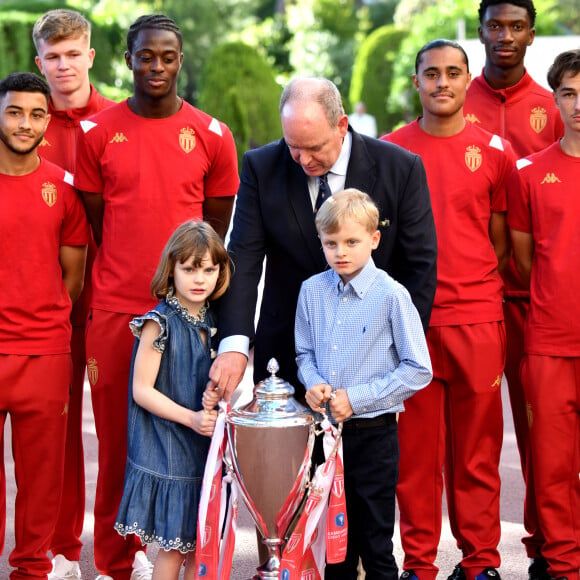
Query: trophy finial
<point x="273" y="366"/>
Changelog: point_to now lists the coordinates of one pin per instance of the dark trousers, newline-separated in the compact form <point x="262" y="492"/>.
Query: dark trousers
<point x="371" y="469"/>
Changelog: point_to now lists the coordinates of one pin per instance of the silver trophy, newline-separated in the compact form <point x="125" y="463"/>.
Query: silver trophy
<point x="270" y="442"/>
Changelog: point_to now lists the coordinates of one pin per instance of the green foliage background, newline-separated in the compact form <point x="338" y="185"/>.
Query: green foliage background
<point x="239" y="88"/>
<point x="367" y="48"/>
<point x="373" y="72"/>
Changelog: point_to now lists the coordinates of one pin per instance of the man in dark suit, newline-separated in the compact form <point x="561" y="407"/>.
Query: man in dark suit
<point x="274" y="219"/>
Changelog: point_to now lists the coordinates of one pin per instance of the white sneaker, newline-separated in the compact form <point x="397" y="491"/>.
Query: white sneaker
<point x="103" y="577"/>
<point x="142" y="568"/>
<point x="63" y="569"/>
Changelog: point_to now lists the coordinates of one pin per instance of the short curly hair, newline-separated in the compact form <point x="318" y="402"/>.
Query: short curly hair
<point x="152" y="21"/>
<point x="24" y="82"/>
<point x="527" y="4"/>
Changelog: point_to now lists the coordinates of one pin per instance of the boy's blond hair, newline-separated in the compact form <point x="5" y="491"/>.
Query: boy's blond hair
<point x="60" y="24"/>
<point x="349" y="204"/>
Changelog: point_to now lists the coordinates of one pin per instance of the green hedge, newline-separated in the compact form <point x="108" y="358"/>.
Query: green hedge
<point x="238" y="87"/>
<point x="18" y="51"/>
<point x="373" y="72"/>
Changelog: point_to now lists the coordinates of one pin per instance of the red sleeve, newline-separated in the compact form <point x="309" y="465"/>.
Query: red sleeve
<point x="75" y="228"/>
<point x="519" y="217"/>
<point x="222" y="179"/>
<point x="88" y="170"/>
<point x="506" y="164"/>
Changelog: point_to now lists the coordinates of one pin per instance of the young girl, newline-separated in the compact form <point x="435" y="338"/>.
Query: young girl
<point x="170" y="421"/>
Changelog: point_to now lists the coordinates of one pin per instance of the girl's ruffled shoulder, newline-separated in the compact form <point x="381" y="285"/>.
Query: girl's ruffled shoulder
<point x="136" y="326"/>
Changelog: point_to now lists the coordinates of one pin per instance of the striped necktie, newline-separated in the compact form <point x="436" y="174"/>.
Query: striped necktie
<point x="324" y="191"/>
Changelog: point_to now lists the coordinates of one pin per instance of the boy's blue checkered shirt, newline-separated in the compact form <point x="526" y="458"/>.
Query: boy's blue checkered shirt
<point x="365" y="337"/>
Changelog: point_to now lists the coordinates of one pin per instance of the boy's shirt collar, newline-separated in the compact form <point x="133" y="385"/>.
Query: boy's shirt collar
<point x="361" y="283"/>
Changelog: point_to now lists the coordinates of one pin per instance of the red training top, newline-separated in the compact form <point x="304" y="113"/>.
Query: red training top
<point x="154" y="174"/>
<point x="39" y="213"/>
<point x="466" y="175"/>
<point x="544" y="200"/>
<point x="527" y="117"/>
<point x="60" y="146"/>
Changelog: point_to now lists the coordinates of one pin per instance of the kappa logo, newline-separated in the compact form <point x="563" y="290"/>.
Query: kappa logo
<point x="473" y="157"/>
<point x="92" y="371"/>
<point x="44" y="143"/>
<point x="339" y="520"/>
<point x="285" y="574"/>
<point x="538" y="119"/>
<point x="187" y="139"/>
<point x="118" y="138"/>
<point x="497" y="382"/>
<point x="49" y="193"/>
<point x="472" y="118"/>
<point x="550" y="178"/>
<point x="202" y="570"/>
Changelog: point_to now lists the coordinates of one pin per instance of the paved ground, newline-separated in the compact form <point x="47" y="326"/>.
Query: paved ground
<point x="514" y="562"/>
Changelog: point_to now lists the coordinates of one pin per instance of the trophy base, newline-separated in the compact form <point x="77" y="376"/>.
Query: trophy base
<point x="269" y="569"/>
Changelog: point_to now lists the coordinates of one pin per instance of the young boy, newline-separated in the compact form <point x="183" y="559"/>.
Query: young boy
<point x="360" y="348"/>
<point x="544" y="197"/>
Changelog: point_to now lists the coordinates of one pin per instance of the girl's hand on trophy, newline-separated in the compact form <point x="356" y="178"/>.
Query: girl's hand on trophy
<point x="340" y="406"/>
<point x="317" y="395"/>
<point x="204" y="422"/>
<point x="210" y="399"/>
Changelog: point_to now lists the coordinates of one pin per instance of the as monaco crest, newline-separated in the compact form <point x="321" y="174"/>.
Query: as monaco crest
<point x="538" y="119"/>
<point x="293" y="542"/>
<point x="92" y="371"/>
<point x="473" y="158"/>
<point x="207" y="536"/>
<point x="49" y="193"/>
<point x="187" y="139"/>
<point x="312" y="501"/>
<point x="338" y="485"/>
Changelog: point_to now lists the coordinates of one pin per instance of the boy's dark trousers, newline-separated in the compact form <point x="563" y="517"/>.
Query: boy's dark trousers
<point x="371" y="470"/>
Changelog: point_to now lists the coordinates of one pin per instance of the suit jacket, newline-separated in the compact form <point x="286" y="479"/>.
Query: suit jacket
<point x="274" y="219"/>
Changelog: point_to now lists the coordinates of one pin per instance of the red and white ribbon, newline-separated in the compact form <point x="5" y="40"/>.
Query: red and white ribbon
<point x="214" y="555"/>
<point x="305" y="553"/>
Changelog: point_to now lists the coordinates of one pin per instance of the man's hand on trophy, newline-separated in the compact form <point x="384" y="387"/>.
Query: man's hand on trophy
<point x="317" y="395"/>
<point x="226" y="373"/>
<point x="340" y="406"/>
<point x="204" y="422"/>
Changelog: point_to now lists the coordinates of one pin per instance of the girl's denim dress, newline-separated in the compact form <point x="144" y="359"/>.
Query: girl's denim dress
<point x="166" y="460"/>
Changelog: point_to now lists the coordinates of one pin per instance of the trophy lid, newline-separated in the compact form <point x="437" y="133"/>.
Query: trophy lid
<point x="273" y="404"/>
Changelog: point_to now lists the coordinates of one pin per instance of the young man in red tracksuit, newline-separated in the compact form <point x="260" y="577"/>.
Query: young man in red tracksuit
<point x="43" y="248"/>
<point x="544" y="205"/>
<point x="144" y="166"/>
<point x="456" y="423"/>
<point x="64" y="56"/>
<point x="505" y="100"/>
